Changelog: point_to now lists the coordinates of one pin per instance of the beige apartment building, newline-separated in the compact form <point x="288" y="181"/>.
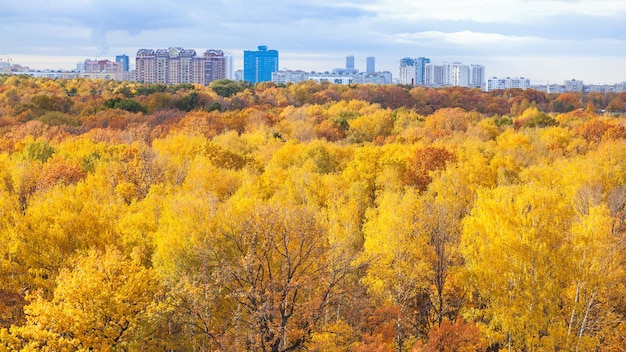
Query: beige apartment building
<point x="178" y="65"/>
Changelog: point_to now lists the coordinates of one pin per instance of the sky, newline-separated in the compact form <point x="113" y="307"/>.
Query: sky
<point x="543" y="40"/>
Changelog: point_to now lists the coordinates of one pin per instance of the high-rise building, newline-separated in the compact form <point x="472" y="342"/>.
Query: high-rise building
<point x="477" y="76"/>
<point x="450" y="74"/>
<point x="370" y="64"/>
<point x="145" y="63"/>
<point x="238" y="75"/>
<point x="413" y="71"/>
<point x="178" y="65"/>
<point x="459" y="75"/>
<point x="230" y="70"/>
<point x="124" y="60"/>
<point x="349" y="69"/>
<point x="420" y="65"/>
<point x="259" y="65"/>
<point x="437" y="74"/>
<point x="214" y="63"/>
<point x="350" y="63"/>
<point x="408" y="71"/>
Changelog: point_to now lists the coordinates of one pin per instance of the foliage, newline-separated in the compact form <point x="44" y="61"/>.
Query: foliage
<point x="309" y="216"/>
<point x="101" y="303"/>
<point x="454" y="336"/>
<point x="227" y="88"/>
<point x="125" y="104"/>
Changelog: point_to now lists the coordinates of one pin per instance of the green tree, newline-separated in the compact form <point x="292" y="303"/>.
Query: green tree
<point x="125" y="104"/>
<point x="227" y="88"/>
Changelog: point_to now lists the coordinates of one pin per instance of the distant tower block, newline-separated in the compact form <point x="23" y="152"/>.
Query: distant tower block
<point x="350" y="63"/>
<point x="370" y="64"/>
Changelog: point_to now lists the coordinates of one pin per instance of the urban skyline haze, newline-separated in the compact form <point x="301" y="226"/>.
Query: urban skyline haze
<point x="541" y="40"/>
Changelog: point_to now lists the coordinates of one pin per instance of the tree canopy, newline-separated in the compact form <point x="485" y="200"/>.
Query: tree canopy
<point x="309" y="217"/>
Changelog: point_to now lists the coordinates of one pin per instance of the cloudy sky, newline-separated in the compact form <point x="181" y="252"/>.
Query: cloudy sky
<point x="544" y="40"/>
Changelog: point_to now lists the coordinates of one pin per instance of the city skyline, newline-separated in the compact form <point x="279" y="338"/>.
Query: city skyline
<point x="541" y="40"/>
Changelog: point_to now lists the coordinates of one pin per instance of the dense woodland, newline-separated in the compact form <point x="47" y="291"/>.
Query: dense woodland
<point x="309" y="217"/>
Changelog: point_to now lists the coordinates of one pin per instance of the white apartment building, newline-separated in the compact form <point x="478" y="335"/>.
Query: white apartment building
<point x="408" y="72"/>
<point x="441" y="74"/>
<point x="288" y="76"/>
<point x="230" y="66"/>
<point x="459" y="75"/>
<point x="507" y="83"/>
<point x="573" y="85"/>
<point x="477" y="76"/>
<point x="437" y="75"/>
<point x="331" y="77"/>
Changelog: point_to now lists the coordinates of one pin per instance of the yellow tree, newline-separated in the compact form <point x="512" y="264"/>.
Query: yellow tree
<point x="510" y="242"/>
<point x="440" y="222"/>
<point x="367" y="127"/>
<point x="63" y="220"/>
<point x="102" y="302"/>
<point x="185" y="247"/>
<point x="397" y="257"/>
<point x="594" y="252"/>
<point x="11" y="272"/>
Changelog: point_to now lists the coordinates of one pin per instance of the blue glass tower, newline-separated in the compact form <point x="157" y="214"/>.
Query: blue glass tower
<point x="124" y="60"/>
<point x="421" y="62"/>
<point x="259" y="65"/>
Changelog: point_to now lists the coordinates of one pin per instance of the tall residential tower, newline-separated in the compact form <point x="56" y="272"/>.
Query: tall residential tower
<point x="178" y="65"/>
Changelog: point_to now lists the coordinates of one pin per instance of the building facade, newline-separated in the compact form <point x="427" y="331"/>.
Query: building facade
<point x="408" y="72"/>
<point x="414" y="71"/>
<point x="573" y="85"/>
<point x="102" y="69"/>
<point x="179" y="65"/>
<point x="442" y="74"/>
<point x="437" y="75"/>
<point x="349" y="69"/>
<point x="477" y="76"/>
<point x="370" y="64"/>
<point x="230" y="66"/>
<point x="459" y="75"/>
<point x="215" y="65"/>
<point x="507" y="83"/>
<point x="125" y="61"/>
<point x="95" y="66"/>
<point x="258" y="65"/>
<point x="350" y="63"/>
<point x="420" y="66"/>
<point x="289" y="76"/>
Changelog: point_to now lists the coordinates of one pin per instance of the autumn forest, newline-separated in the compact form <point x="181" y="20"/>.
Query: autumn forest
<point x="315" y="217"/>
